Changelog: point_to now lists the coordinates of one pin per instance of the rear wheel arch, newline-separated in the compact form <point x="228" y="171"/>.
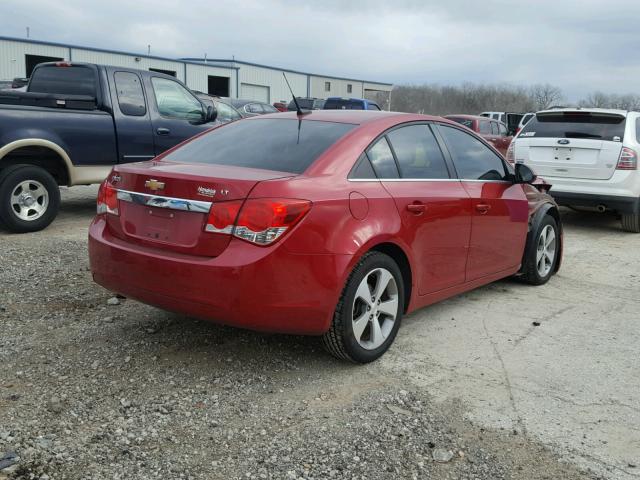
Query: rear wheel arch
<point x="551" y="210"/>
<point x="402" y="260"/>
<point x="40" y="153"/>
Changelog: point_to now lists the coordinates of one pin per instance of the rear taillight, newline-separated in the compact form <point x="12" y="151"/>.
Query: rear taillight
<point x="511" y="154"/>
<point x="107" y="199"/>
<point x="628" y="159"/>
<point x="260" y="220"/>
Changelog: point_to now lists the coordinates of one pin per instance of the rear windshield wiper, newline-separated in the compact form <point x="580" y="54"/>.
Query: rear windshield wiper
<point x="581" y="135"/>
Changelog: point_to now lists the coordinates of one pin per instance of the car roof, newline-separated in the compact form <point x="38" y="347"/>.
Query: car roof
<point x="469" y="117"/>
<point x="356" y="117"/>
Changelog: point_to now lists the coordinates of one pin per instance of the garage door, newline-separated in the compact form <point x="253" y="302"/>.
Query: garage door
<point x="249" y="91"/>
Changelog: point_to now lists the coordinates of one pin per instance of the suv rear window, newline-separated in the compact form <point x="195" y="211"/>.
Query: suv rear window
<point x="343" y="104"/>
<point x="281" y="145"/>
<point x="73" y="80"/>
<point x="599" y="126"/>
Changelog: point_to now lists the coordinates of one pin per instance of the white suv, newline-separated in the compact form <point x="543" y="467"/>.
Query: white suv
<point x="590" y="156"/>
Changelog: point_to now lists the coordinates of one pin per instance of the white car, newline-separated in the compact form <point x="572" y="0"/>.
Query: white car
<point x="524" y="120"/>
<point x="589" y="155"/>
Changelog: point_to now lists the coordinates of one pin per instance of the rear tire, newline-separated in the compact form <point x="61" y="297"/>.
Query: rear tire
<point x="542" y="255"/>
<point x="369" y="312"/>
<point x="29" y="198"/>
<point x="631" y="222"/>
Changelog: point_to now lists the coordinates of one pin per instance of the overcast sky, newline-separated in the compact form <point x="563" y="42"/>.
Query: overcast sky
<point x="578" y="45"/>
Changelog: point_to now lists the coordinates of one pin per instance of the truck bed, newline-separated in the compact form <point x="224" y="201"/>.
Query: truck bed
<point x="48" y="100"/>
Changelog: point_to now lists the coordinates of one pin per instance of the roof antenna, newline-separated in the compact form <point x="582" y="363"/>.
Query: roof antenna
<point x="295" y="100"/>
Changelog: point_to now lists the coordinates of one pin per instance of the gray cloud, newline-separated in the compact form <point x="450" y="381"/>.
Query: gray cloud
<point x="579" y="45"/>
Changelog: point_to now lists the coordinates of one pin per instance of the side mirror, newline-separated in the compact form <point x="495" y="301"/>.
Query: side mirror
<point x="524" y="174"/>
<point x="211" y="115"/>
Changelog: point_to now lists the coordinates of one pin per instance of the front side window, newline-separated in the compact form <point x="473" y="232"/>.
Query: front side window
<point x="254" y="108"/>
<point x="226" y="113"/>
<point x="472" y="158"/>
<point x="278" y="144"/>
<point x="418" y="153"/>
<point x="495" y="130"/>
<point x="130" y="95"/>
<point x="503" y="129"/>
<point x="269" y="108"/>
<point x="175" y="101"/>
<point x="382" y="160"/>
<point x="485" y="127"/>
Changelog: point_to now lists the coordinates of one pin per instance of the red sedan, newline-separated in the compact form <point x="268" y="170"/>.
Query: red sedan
<point x="494" y="131"/>
<point x="333" y="223"/>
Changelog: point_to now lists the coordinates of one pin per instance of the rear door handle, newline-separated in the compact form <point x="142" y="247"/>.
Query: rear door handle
<point x="417" y="208"/>
<point x="483" y="208"/>
<point x="163" y="131"/>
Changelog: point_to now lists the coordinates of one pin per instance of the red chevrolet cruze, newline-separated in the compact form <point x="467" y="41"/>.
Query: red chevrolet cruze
<point x="333" y="223"/>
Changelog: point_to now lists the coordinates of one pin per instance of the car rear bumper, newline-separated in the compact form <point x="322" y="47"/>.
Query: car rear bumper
<point x="618" y="204"/>
<point x="252" y="287"/>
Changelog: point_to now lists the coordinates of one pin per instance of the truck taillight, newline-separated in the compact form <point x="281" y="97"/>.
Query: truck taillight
<point x="511" y="153"/>
<point x="107" y="199"/>
<point x="628" y="159"/>
<point x="259" y="220"/>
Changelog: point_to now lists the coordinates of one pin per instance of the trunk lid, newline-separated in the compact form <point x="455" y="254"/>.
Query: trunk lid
<point x="165" y="205"/>
<point x="573" y="144"/>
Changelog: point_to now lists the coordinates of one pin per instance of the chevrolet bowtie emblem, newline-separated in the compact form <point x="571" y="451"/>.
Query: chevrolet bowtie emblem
<point x="154" y="185"/>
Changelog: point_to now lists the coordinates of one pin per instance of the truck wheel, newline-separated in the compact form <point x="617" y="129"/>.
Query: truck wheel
<point x="29" y="198"/>
<point x="631" y="222"/>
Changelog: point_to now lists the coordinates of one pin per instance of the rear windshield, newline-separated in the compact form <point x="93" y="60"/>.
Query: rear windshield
<point x="576" y="125"/>
<point x="462" y="121"/>
<point x="305" y="103"/>
<point x="340" y="104"/>
<point x="280" y="145"/>
<point x="64" y="80"/>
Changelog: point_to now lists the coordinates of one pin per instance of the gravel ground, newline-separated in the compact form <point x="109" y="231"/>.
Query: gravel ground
<point x="95" y="387"/>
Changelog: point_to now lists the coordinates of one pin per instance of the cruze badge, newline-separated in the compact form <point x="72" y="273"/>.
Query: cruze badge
<point x="207" y="192"/>
<point x="154" y="185"/>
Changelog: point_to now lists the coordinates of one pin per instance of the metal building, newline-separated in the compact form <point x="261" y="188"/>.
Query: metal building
<point x="223" y="77"/>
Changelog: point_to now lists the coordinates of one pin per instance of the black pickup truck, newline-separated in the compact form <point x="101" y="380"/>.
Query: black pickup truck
<point x="75" y="122"/>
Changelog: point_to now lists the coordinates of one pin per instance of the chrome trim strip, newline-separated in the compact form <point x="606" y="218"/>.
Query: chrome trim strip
<point x="424" y="180"/>
<point x="164" y="202"/>
<point x="138" y="156"/>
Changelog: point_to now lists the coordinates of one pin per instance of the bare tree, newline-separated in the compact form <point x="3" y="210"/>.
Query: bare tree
<point x="628" y="101"/>
<point x="545" y="95"/>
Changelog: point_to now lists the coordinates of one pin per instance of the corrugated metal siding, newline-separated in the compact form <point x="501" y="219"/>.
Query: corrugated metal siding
<point x="144" y="63"/>
<point x="12" y="60"/>
<point x="273" y="78"/>
<point x="198" y="77"/>
<point x="338" y="88"/>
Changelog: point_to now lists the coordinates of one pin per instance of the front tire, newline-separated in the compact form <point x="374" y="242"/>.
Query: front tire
<point x="541" y="257"/>
<point x="631" y="222"/>
<point x="369" y="312"/>
<point x="29" y="198"/>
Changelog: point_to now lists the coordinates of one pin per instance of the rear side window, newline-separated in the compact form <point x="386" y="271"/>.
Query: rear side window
<point x="382" y="160"/>
<point x="363" y="169"/>
<point x="472" y="158"/>
<point x="495" y="130"/>
<point x="575" y="125"/>
<point x="270" y="144"/>
<point x="485" y="127"/>
<point x="463" y="121"/>
<point x="129" y="92"/>
<point x="503" y="129"/>
<point x="418" y="153"/>
<point x="74" y="80"/>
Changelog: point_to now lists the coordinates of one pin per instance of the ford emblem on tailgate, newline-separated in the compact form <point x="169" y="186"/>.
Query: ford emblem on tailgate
<point x="564" y="141"/>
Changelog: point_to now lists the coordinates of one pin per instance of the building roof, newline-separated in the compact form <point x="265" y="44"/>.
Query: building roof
<point x="241" y="62"/>
<point x="195" y="61"/>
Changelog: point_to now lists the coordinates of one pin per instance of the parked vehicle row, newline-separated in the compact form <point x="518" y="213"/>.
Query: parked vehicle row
<point x="426" y="209"/>
<point x="493" y="131"/>
<point x="77" y="120"/>
<point x="589" y="155"/>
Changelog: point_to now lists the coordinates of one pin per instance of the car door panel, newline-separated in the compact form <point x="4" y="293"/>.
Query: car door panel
<point x="500" y="216"/>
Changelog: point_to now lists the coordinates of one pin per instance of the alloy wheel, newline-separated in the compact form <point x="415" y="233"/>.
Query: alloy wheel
<point x="375" y="308"/>
<point x="29" y="200"/>
<point x="546" y="251"/>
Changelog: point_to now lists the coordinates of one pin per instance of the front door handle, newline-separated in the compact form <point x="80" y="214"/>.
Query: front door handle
<point x="163" y="131"/>
<point x="416" y="208"/>
<point x="483" y="208"/>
